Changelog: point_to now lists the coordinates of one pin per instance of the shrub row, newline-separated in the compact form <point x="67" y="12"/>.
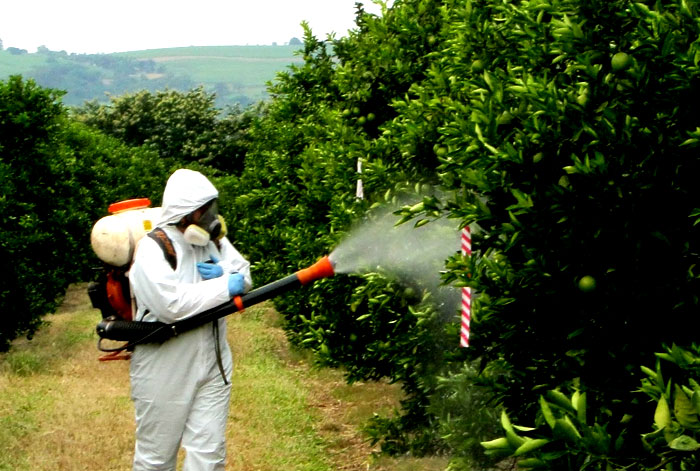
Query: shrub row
<point x="565" y="130"/>
<point x="57" y="177"/>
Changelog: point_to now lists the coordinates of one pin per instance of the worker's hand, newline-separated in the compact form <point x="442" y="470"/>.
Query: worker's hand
<point x="236" y="284"/>
<point x="210" y="270"/>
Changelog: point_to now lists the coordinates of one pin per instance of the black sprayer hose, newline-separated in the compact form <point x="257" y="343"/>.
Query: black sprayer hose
<point x="136" y="332"/>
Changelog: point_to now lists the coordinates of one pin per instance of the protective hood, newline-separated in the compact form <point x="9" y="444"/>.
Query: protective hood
<point x="186" y="191"/>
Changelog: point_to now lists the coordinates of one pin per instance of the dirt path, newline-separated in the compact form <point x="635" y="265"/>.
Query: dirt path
<point x="61" y="409"/>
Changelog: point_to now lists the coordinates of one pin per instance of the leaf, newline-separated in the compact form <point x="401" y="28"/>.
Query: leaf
<point x="530" y="463"/>
<point x="684" y="443"/>
<point x="558" y="398"/>
<point x="566" y="430"/>
<point x="694" y="384"/>
<point x="547" y="412"/>
<point x="497" y="443"/>
<point x="662" y="416"/>
<point x="530" y="445"/>
<point x="649" y="372"/>
<point x="514" y="439"/>
<point x="695" y="400"/>
<point x="684" y="411"/>
<point x="574" y="399"/>
<point x="421" y="222"/>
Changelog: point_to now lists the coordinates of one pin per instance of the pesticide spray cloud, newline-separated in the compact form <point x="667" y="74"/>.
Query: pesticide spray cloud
<point x="415" y="256"/>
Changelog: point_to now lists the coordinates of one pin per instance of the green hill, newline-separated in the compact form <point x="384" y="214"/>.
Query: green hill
<point x="237" y="74"/>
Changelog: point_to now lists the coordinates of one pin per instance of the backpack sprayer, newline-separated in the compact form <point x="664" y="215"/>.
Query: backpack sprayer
<point x="114" y="239"/>
<point x="135" y="332"/>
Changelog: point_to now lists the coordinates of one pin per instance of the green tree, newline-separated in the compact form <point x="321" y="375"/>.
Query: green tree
<point x="182" y="127"/>
<point x="57" y="177"/>
<point x="569" y="129"/>
<point x="31" y="182"/>
<point x="566" y="131"/>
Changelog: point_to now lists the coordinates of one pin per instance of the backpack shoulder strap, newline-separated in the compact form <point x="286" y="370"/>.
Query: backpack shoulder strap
<point x="166" y="245"/>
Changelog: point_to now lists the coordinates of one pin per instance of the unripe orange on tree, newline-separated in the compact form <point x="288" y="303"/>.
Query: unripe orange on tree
<point x="620" y="61"/>
<point x="586" y="283"/>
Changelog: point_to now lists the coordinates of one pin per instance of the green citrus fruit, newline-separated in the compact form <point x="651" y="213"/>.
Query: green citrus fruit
<point x="586" y="284"/>
<point x="620" y="61"/>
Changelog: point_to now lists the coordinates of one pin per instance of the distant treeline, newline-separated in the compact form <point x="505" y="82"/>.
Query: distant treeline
<point x="87" y="77"/>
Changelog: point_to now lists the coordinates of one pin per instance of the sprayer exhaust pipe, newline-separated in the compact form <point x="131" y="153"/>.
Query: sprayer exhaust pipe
<point x="148" y="332"/>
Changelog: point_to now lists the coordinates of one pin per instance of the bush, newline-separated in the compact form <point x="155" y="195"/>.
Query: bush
<point x="571" y="435"/>
<point x="57" y="178"/>
<point x="34" y="182"/>
<point x="571" y="128"/>
<point x="565" y="131"/>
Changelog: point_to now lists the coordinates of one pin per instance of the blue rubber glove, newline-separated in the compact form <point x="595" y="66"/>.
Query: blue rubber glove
<point x="236" y="284"/>
<point x="210" y="270"/>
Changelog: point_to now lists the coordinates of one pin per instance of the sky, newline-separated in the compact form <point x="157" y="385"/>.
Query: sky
<point x="106" y="26"/>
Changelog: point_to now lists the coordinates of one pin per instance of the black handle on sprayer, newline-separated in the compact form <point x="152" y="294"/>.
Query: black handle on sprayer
<point x="136" y="332"/>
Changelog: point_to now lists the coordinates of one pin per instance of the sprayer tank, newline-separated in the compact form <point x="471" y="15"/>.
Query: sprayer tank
<point x="114" y="237"/>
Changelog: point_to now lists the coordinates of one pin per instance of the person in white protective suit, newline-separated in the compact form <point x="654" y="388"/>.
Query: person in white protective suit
<point x="181" y="388"/>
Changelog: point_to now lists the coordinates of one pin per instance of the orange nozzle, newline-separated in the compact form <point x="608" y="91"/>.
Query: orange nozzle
<point x="321" y="269"/>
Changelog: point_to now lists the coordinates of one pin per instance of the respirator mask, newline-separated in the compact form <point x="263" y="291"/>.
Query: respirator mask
<point x="209" y="226"/>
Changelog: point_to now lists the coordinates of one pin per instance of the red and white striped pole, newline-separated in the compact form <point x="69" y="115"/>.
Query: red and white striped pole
<point x="359" y="191"/>
<point x="466" y="292"/>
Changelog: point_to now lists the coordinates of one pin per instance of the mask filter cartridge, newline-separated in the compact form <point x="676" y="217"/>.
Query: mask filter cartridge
<point x="196" y="235"/>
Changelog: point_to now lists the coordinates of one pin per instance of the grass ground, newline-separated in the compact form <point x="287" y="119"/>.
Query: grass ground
<point x="61" y="409"/>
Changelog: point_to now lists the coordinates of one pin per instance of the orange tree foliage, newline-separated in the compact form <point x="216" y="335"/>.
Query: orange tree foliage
<point x="567" y="130"/>
<point x="57" y="177"/>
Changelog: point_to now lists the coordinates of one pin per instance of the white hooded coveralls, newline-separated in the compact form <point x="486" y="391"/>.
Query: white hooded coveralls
<point x="179" y="396"/>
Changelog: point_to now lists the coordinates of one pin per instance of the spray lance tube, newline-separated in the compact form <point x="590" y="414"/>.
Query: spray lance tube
<point x="135" y="332"/>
